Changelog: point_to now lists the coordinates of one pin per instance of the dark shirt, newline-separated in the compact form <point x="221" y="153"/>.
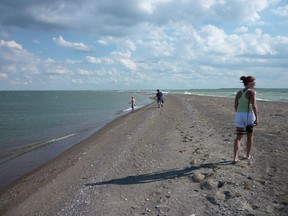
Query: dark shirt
<point x="159" y="95"/>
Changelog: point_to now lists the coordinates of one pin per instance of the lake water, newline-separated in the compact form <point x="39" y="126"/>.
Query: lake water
<point x="36" y="126"/>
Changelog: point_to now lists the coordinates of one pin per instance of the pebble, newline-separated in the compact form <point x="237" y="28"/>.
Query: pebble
<point x="198" y="177"/>
<point x="209" y="184"/>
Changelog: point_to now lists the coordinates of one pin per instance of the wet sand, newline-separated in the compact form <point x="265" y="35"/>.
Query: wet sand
<point x="175" y="160"/>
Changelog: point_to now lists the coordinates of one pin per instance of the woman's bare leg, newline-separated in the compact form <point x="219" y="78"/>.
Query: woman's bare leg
<point x="249" y="145"/>
<point x="237" y="144"/>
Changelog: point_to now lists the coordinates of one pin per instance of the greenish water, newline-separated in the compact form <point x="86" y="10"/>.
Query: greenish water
<point x="262" y="94"/>
<point x="36" y="126"/>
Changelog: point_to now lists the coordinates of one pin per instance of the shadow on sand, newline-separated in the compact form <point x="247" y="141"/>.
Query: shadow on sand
<point x="159" y="176"/>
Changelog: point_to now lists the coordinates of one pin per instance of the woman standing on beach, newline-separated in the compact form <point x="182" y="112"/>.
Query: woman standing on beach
<point x="246" y="115"/>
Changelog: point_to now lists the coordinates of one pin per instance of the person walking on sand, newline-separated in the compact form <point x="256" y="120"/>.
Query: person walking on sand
<point x="133" y="103"/>
<point x="246" y="116"/>
<point x="159" y="97"/>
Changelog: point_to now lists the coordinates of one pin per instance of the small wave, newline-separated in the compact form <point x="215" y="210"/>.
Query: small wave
<point x="197" y="94"/>
<point x="130" y="109"/>
<point x="194" y="93"/>
<point x="60" y="138"/>
<point x="127" y="110"/>
<point x="12" y="153"/>
<point x="187" y="93"/>
<point x="261" y="99"/>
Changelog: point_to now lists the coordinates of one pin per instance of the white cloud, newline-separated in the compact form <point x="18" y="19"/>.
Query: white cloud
<point x="102" y="42"/>
<point x="120" y="54"/>
<point x="150" y="6"/>
<point x="159" y="48"/>
<point x="77" y="81"/>
<point x="281" y="11"/>
<point x="213" y="35"/>
<point x="102" y="18"/>
<point x="70" y="61"/>
<point x="93" y="60"/>
<point x="76" y="45"/>
<point x="242" y="29"/>
<point x="10" y="44"/>
<point x="3" y="75"/>
<point x="15" y="58"/>
<point x="60" y="70"/>
<point x="131" y="46"/>
<point x="180" y="43"/>
<point x="128" y="63"/>
<point x="85" y="72"/>
<point x="49" y="60"/>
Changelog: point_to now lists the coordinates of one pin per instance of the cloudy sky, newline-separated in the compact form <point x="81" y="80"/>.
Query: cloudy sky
<point x="142" y="44"/>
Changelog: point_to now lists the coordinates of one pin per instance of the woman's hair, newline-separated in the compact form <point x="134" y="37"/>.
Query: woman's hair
<point x="247" y="79"/>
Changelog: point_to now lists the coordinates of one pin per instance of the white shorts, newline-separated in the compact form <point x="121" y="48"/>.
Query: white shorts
<point x="242" y="119"/>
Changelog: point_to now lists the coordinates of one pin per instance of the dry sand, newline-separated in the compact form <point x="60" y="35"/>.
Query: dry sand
<point x="174" y="160"/>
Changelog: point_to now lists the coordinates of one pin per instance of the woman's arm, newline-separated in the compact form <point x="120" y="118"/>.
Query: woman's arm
<point x="254" y="107"/>
<point x="238" y="95"/>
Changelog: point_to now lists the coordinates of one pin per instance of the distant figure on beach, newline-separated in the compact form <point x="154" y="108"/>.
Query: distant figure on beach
<point x="133" y="103"/>
<point x="159" y="97"/>
<point x="246" y="116"/>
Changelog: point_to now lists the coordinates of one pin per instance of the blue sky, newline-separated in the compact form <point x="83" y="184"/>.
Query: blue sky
<point x="142" y="44"/>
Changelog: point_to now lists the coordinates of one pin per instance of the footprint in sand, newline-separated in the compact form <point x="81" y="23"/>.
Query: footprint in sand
<point x="183" y="150"/>
<point x="163" y="209"/>
<point x="271" y="170"/>
<point x="162" y="206"/>
<point x="197" y="151"/>
<point x="185" y="139"/>
<point x="163" y="199"/>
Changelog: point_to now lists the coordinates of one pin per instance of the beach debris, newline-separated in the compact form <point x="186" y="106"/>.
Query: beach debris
<point x="212" y="200"/>
<point x="148" y="210"/>
<point x="209" y="184"/>
<point x="220" y="196"/>
<point x="198" y="177"/>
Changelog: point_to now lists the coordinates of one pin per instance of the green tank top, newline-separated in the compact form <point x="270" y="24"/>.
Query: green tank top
<point x="243" y="103"/>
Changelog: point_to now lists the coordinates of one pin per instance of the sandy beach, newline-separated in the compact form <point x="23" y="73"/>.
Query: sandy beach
<point x="175" y="160"/>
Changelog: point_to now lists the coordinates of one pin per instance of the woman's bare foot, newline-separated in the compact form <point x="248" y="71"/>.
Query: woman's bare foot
<point x="249" y="157"/>
<point x="235" y="161"/>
